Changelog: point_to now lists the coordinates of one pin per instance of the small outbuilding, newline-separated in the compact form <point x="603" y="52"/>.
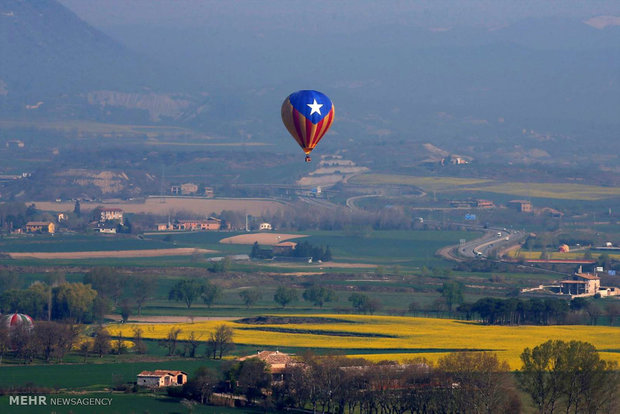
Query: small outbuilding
<point x="161" y="378"/>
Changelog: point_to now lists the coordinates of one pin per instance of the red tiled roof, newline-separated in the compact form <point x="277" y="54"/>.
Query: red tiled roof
<point x="270" y="357"/>
<point x="159" y="373"/>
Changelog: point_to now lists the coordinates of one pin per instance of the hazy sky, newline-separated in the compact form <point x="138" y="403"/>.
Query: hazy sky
<point x="349" y="14"/>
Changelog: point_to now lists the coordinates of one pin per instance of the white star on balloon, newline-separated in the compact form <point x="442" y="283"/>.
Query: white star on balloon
<point x="316" y="107"/>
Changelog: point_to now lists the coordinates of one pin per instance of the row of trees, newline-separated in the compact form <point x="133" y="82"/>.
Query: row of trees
<point x="76" y="302"/>
<point x="46" y="340"/>
<point x="536" y="311"/>
<point x="303" y="249"/>
<point x="190" y="290"/>
<point x="557" y="376"/>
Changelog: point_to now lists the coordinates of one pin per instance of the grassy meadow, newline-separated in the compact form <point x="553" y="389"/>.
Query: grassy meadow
<point x="391" y="337"/>
<point x="405" y="248"/>
<point x="123" y="404"/>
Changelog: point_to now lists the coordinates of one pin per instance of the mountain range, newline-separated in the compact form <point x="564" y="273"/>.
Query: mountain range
<point x="551" y="86"/>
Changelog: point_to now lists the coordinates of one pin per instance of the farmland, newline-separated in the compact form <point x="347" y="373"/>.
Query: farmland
<point x="167" y="205"/>
<point x="560" y="191"/>
<point x="388" y="337"/>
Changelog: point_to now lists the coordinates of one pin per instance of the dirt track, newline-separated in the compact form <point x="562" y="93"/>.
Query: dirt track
<point x="262" y="238"/>
<point x="185" y="251"/>
<point x="172" y="319"/>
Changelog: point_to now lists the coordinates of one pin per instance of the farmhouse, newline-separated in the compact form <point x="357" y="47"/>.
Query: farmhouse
<point x="285" y="248"/>
<point x="522" y="206"/>
<point x="211" y="223"/>
<point x="189" y="188"/>
<point x="111" y="214"/>
<point x="579" y="285"/>
<point x="40" y="227"/>
<point x="161" y="378"/>
<point x="276" y="361"/>
<point x="265" y="226"/>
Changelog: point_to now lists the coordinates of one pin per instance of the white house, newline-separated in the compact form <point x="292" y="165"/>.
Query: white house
<point x="161" y="378"/>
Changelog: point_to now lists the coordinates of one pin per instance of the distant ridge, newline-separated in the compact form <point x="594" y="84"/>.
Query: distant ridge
<point x="48" y="55"/>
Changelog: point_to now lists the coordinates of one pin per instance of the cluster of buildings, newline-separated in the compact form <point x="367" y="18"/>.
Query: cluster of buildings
<point x="210" y="223"/>
<point x="276" y="361"/>
<point x="191" y="189"/>
<point x="578" y="285"/>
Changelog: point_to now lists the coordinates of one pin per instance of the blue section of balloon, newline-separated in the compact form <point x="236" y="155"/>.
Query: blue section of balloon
<point x="301" y="99"/>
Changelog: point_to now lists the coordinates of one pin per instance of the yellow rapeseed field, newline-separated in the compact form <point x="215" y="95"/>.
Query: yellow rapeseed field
<point x="408" y="333"/>
<point x="558" y="255"/>
<point x="563" y="191"/>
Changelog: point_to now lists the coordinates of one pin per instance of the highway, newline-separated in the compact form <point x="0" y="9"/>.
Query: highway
<point x="495" y="238"/>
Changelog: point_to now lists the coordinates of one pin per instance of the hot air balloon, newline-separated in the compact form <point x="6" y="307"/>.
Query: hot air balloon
<point x="16" y="320"/>
<point x="307" y="115"/>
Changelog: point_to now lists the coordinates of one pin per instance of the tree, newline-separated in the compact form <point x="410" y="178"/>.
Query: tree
<point x="210" y="293"/>
<point x="187" y="291"/>
<point x="220" y="341"/>
<point x="201" y="385"/>
<point x="612" y="311"/>
<point x="106" y="281"/>
<point x="452" y="292"/>
<point x="284" y="296"/>
<point x="252" y="377"/>
<point x="139" y="345"/>
<point x="9" y="281"/>
<point x="250" y="296"/>
<point x="593" y="311"/>
<point x="72" y="301"/>
<point x="484" y="381"/>
<point x="5" y="342"/>
<point x="142" y="288"/>
<point x="77" y="209"/>
<point x="569" y="376"/>
<point x="319" y="295"/>
<point x="23" y="342"/>
<point x="170" y="341"/>
<point x="364" y="304"/>
<point x="101" y="342"/>
<point x="54" y="339"/>
<point x="119" y="344"/>
<point x="125" y="308"/>
<point x="191" y="344"/>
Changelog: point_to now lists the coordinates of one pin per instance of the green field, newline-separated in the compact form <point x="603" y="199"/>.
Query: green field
<point x="121" y="404"/>
<point x="405" y="248"/>
<point x="77" y="243"/>
<point x="92" y="376"/>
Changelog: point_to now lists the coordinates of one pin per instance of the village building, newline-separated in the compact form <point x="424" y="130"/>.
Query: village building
<point x="111" y="213"/>
<point x="40" y="227"/>
<point x="484" y="204"/>
<point x="284" y="248"/>
<point x="522" y="206"/>
<point x="211" y="223"/>
<point x="265" y="226"/>
<point x="189" y="188"/>
<point x="161" y="378"/>
<point x="276" y="361"/>
<point x="579" y="285"/>
<point x="209" y="192"/>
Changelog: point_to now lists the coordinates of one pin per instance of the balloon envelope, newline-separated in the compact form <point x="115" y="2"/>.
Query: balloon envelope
<point x="307" y="115"/>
